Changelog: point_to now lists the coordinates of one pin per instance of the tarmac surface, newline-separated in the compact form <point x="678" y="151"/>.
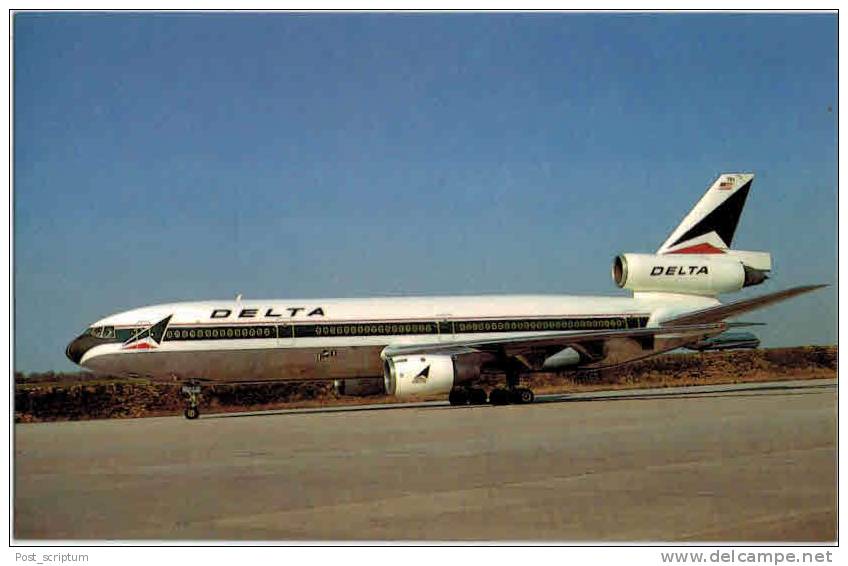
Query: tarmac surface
<point x="747" y="462"/>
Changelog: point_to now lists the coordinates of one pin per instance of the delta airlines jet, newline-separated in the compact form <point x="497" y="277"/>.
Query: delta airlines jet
<point x="440" y="345"/>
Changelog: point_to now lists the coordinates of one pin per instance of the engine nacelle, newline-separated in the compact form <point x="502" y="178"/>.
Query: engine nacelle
<point x="565" y="358"/>
<point x="360" y="387"/>
<point x="694" y="274"/>
<point x="406" y="376"/>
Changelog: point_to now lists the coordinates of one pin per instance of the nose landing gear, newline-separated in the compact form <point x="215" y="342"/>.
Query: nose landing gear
<point x="192" y="392"/>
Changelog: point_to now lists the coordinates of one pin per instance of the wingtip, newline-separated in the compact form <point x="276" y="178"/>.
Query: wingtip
<point x="801" y="289"/>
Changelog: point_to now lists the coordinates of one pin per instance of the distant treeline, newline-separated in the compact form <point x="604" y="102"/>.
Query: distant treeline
<point x="72" y="396"/>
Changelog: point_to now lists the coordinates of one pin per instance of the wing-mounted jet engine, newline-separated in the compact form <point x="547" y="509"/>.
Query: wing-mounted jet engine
<point x="423" y="375"/>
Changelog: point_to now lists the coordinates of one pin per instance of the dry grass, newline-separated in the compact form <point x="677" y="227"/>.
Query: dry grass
<point x="49" y="397"/>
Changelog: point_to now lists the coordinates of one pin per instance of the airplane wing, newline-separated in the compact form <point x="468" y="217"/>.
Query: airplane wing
<point x="601" y="345"/>
<point x="512" y="346"/>
<point x="714" y="314"/>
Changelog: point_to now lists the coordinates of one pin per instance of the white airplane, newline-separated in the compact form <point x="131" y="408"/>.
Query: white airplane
<point x="440" y="345"/>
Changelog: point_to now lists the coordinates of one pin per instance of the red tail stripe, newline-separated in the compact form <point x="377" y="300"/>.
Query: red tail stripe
<point x="699" y="249"/>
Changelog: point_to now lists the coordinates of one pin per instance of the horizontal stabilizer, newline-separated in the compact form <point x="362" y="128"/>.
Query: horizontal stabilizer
<point x="716" y="314"/>
<point x="726" y="341"/>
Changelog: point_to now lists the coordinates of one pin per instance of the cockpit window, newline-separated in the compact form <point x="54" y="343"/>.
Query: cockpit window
<point x="124" y="334"/>
<point x="102" y="331"/>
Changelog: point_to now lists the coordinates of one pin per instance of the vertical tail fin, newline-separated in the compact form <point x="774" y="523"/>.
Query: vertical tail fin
<point x="710" y="225"/>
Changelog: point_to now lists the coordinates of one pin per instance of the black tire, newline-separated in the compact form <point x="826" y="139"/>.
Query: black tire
<point x="192" y="413"/>
<point x="526" y="395"/>
<point x="457" y="397"/>
<point x="515" y="396"/>
<point x="499" y="397"/>
<point x="477" y="396"/>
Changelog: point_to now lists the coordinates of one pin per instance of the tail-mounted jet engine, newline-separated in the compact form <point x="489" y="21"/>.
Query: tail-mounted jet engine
<point x="694" y="274"/>
<point x="406" y="376"/>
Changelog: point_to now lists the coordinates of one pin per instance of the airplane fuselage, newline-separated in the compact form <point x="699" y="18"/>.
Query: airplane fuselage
<point x="258" y="340"/>
<point x="441" y="345"/>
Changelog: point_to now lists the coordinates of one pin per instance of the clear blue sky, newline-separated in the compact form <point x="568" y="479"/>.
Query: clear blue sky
<point x="187" y="156"/>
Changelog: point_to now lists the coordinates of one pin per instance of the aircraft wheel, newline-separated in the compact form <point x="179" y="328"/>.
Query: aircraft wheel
<point x="520" y="396"/>
<point x="477" y="396"/>
<point x="192" y="413"/>
<point x="458" y="397"/>
<point x="499" y="397"/>
<point x="526" y="395"/>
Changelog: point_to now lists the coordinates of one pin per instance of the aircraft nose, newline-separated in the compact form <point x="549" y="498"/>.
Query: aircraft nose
<point x="79" y="346"/>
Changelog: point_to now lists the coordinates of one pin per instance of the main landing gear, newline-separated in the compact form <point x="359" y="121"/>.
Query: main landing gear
<point x="516" y="396"/>
<point x="192" y="391"/>
<point x="467" y="396"/>
<point x="513" y="394"/>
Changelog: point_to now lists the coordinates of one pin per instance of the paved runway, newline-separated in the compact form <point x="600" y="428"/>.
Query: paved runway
<point x="744" y="462"/>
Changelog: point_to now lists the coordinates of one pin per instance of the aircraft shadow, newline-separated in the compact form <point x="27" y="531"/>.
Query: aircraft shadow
<point x="743" y="390"/>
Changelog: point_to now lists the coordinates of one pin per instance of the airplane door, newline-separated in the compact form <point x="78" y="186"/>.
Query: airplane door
<point x="285" y="335"/>
<point x="445" y="326"/>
